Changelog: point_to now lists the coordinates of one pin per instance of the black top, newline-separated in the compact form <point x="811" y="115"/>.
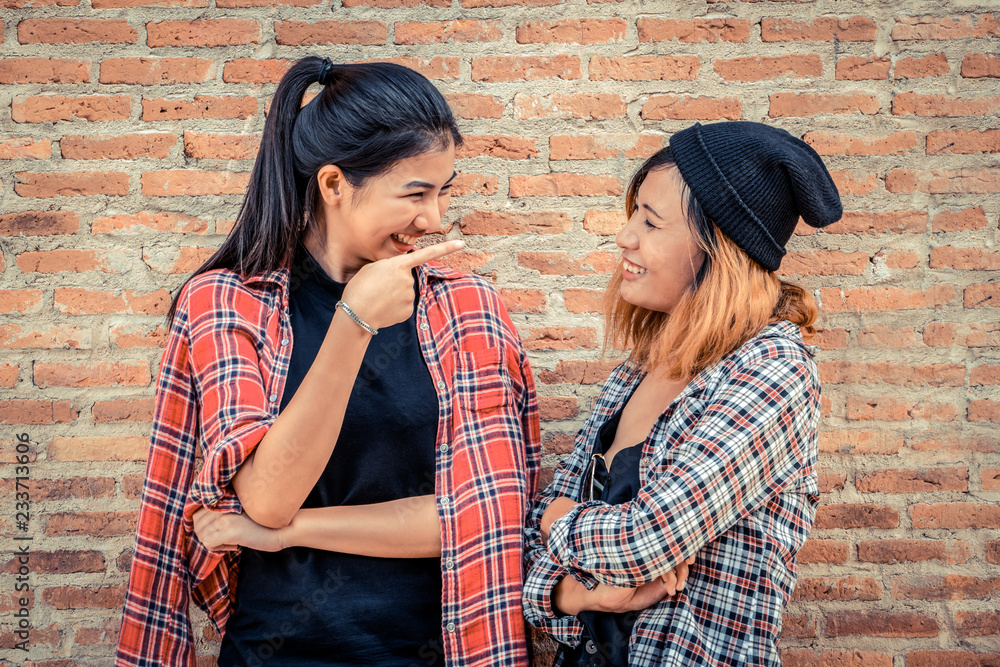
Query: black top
<point x="304" y="606"/>
<point x="606" y="635"/>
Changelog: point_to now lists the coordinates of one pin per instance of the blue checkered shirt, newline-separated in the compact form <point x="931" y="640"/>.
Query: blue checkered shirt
<point x="729" y="475"/>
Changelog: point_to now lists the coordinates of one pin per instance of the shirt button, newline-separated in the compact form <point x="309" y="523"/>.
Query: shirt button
<point x="647" y="461"/>
<point x="590" y="647"/>
<point x="441" y="385"/>
<point x="274" y="397"/>
<point x="443" y="500"/>
<point x="285" y="341"/>
<point x="449" y="564"/>
<point x="450" y="627"/>
<point x="425" y="326"/>
<point x="443" y="448"/>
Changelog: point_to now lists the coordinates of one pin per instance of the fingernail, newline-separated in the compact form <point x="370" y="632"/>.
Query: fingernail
<point x="459" y="244"/>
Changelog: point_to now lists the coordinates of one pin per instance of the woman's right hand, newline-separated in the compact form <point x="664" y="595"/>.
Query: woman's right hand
<point x="226" y="531"/>
<point x="381" y="293"/>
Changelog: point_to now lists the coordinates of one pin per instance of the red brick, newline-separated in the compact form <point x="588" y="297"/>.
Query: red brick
<point x="471" y="4"/>
<point x="221" y="146"/>
<point x="590" y="106"/>
<point x="578" y="372"/>
<point x="39" y="223"/>
<point x="686" y="107"/>
<point x="831" y="339"/>
<point x="962" y="220"/>
<point x="116" y="4"/>
<point x="499" y="146"/>
<point x="944" y="106"/>
<point x="438" y="67"/>
<point x="859" y="68"/>
<point x="20" y="301"/>
<point x="45" y="337"/>
<point x="177" y="182"/>
<point x="394" y="4"/>
<point x="763" y="68"/>
<point x="128" y="336"/>
<point x="955" y="516"/>
<point x="955" y="26"/>
<point x="8" y="375"/>
<point x="892" y="408"/>
<point x="978" y="65"/>
<point x="304" y="33"/>
<point x="693" y="30"/>
<point x="980" y="334"/>
<point x="926" y="658"/>
<point x="202" y="106"/>
<point x="557" y="407"/>
<point x="76" y="301"/>
<point x="797" y="627"/>
<point x="561" y="263"/>
<point x="124" y="147"/>
<point x="474" y="105"/>
<point x="43" y="70"/>
<point x="472" y="261"/>
<point x="603" y="146"/>
<point x="645" y="68"/>
<point x="881" y="299"/>
<point x="36" y="411"/>
<point x="123" y="410"/>
<point x="984" y="410"/>
<point x="66" y="488"/>
<point x="53" y="108"/>
<point x="992" y="552"/>
<point x="977" y="296"/>
<point x="474" y="184"/>
<point x="977" y="623"/>
<point x="830" y="143"/>
<point x="556" y="443"/>
<point x="880" y="624"/>
<point x="133" y="373"/>
<point x="926" y="480"/>
<point x="25" y="148"/>
<point x="823" y="551"/>
<point x="59" y="562"/>
<point x="203" y="32"/>
<point x="87" y="597"/>
<point x="891" y="552"/>
<point x="185" y="259"/>
<point x="943" y="181"/>
<point x="947" y="587"/>
<point x="583" y="300"/>
<point x="990" y="477"/>
<point x="565" y="185"/>
<point x="104" y="635"/>
<point x="853" y="183"/>
<point x="963" y="141"/>
<point x="824" y="263"/>
<point x="604" y="223"/>
<point x="524" y="300"/>
<point x="560" y="338"/>
<point x="73" y="184"/>
<point x="834" y="658"/>
<point x="225" y="4"/>
<point x="811" y="104"/>
<point x="572" y="31"/>
<point x="965" y="259"/>
<point x="821" y="29"/>
<point x="852" y="441"/>
<point x="95" y="524"/>
<point x="116" y="448"/>
<point x="951" y="442"/>
<point x="21" y="4"/>
<point x="891" y="372"/>
<point x="856" y="516"/>
<point x="493" y="69"/>
<point x="76" y="31"/>
<point x="837" y="588"/>
<point x="148" y="222"/>
<point x="984" y="375"/>
<point x="879" y="222"/>
<point x="918" y="67"/>
<point x="156" y="71"/>
<point x="512" y="223"/>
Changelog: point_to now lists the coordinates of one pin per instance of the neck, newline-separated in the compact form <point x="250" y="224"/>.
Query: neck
<point x="329" y="255"/>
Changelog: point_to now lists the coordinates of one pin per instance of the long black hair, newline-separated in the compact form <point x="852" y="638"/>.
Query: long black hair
<point x="367" y="118"/>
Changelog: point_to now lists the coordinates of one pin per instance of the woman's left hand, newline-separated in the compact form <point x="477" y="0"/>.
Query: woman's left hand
<point x="226" y="531"/>
<point x="556" y="510"/>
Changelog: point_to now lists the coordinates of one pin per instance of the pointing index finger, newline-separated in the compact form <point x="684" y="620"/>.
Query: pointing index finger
<point x="431" y="252"/>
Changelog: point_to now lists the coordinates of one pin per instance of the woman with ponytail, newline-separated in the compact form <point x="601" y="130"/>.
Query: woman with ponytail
<point x="669" y="535"/>
<point x="365" y="416"/>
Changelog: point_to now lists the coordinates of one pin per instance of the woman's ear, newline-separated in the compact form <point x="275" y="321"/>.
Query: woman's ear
<point x="331" y="182"/>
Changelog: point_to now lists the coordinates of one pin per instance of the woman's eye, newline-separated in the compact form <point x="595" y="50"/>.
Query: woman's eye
<point x="445" y="191"/>
<point x="647" y="223"/>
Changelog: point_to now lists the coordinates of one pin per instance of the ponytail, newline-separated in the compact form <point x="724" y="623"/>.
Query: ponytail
<point x="368" y="117"/>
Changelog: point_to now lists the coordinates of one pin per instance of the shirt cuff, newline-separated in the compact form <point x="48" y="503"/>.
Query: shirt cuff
<point x="559" y="544"/>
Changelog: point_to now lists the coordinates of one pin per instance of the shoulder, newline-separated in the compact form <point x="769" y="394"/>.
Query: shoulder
<point x="221" y="296"/>
<point x="776" y="353"/>
<point x="467" y="294"/>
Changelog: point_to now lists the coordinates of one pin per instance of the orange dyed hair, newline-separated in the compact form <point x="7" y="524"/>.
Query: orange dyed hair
<point x="732" y="299"/>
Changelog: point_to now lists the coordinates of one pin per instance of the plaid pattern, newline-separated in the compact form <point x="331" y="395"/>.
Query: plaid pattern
<point x="729" y="474"/>
<point x="221" y="378"/>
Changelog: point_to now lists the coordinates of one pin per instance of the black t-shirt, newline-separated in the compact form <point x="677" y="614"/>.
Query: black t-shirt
<point x="304" y="606"/>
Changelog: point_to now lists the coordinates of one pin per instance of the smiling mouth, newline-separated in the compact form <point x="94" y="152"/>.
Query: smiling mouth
<point x="632" y="268"/>
<point x="404" y="239"/>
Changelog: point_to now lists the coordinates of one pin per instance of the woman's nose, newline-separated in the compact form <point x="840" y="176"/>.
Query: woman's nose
<point x="626" y="238"/>
<point x="429" y="219"/>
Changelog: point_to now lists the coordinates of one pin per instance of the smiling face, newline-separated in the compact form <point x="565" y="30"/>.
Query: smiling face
<point x="660" y="252"/>
<point x="383" y="218"/>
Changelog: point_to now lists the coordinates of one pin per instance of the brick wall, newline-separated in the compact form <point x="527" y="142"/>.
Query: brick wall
<point x="129" y="126"/>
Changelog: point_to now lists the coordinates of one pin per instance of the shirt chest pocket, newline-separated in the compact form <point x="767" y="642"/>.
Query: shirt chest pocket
<point x="482" y="381"/>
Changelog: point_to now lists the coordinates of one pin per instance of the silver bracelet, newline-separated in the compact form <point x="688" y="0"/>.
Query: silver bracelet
<point x="361" y="323"/>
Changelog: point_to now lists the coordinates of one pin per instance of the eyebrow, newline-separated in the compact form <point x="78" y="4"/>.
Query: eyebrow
<point x="650" y="209"/>
<point x="424" y="184"/>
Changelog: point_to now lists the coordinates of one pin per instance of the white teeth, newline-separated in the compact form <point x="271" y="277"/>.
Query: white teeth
<point x="404" y="239"/>
<point x="632" y="268"/>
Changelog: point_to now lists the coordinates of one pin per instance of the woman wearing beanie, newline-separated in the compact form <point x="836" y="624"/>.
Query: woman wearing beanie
<point x="701" y="448"/>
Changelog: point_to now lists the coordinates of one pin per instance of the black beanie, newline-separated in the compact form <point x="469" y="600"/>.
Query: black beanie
<point x="754" y="181"/>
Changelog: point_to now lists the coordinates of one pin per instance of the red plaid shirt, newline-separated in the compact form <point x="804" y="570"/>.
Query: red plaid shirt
<point x="221" y="378"/>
